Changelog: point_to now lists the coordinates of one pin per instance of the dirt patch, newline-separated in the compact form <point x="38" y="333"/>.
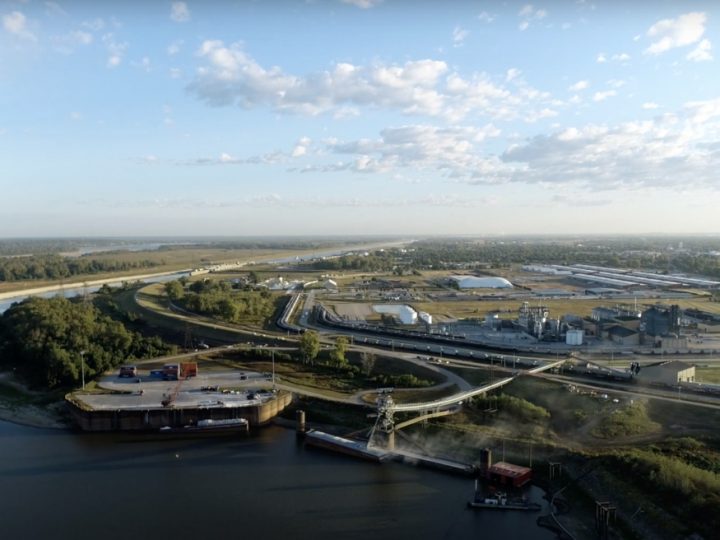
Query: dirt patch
<point x="353" y="311"/>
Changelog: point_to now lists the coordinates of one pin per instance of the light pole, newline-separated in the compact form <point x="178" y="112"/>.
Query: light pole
<point x="82" y="367"/>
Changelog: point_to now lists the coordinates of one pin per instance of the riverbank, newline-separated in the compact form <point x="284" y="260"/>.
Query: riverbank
<point x="21" y="405"/>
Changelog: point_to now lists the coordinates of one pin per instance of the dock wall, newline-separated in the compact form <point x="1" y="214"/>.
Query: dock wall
<point x="152" y="419"/>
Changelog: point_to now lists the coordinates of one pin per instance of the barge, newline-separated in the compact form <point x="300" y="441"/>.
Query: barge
<point x="223" y="426"/>
<point x="349" y="447"/>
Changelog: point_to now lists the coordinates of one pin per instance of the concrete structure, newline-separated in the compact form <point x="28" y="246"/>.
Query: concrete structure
<point x="574" y="337"/>
<point x="405" y="314"/>
<point x="623" y="336"/>
<point x="670" y="373"/>
<point x="152" y="418"/>
<point x="673" y="342"/>
<point x="473" y="282"/>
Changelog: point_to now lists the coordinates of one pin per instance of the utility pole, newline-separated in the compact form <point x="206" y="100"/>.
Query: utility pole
<point x="273" y="369"/>
<point x="82" y="367"/>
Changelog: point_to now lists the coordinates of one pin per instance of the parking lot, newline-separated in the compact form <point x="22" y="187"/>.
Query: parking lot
<point x="230" y="388"/>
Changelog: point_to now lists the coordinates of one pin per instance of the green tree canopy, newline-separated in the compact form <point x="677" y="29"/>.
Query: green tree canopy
<point x="337" y="357"/>
<point x="174" y="290"/>
<point x="42" y="340"/>
<point x="310" y="345"/>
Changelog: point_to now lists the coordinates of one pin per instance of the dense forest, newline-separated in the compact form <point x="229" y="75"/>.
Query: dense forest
<point x="375" y="262"/>
<point x="57" y="267"/>
<point x="629" y="253"/>
<point x="42" y="339"/>
<point x="219" y="299"/>
<point x="453" y="253"/>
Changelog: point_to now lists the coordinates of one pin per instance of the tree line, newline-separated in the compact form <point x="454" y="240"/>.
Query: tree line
<point x="47" y="341"/>
<point x="57" y="267"/>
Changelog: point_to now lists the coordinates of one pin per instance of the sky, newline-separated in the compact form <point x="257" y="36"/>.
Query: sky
<point x="332" y="117"/>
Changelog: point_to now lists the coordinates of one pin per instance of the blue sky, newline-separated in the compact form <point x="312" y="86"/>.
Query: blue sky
<point x="358" y="117"/>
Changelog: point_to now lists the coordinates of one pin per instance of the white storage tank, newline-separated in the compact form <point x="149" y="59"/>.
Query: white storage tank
<point x="574" y="337"/>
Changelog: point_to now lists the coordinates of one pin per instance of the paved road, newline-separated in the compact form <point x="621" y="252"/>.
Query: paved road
<point x="639" y="392"/>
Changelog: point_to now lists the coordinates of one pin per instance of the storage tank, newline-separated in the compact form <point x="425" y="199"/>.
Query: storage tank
<point x="574" y="337"/>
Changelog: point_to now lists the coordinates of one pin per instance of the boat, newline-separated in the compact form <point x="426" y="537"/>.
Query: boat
<point x="226" y="425"/>
<point x="500" y="501"/>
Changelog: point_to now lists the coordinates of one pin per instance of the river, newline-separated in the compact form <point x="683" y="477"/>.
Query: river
<point x="77" y="291"/>
<point x="59" y="484"/>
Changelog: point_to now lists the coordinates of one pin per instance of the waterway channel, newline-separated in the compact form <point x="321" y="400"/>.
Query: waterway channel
<point x="60" y="484"/>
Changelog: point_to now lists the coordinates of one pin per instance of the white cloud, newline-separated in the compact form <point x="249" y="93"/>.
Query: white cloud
<point x="362" y="4"/>
<point x="486" y="17"/>
<point x="67" y="43"/>
<point x="83" y="38"/>
<point x="175" y="73"/>
<point x="603" y="58"/>
<point x="616" y="83"/>
<point x="16" y="23"/>
<point x="649" y="105"/>
<point x="459" y="35"/>
<point x="452" y="151"/>
<point x="301" y="147"/>
<point x="174" y="47"/>
<point x="602" y="96"/>
<point x="702" y="52"/>
<point x="179" y="12"/>
<point x="53" y="9"/>
<point x="512" y="74"/>
<point x="116" y="50"/>
<point x="229" y="76"/>
<point x="670" y="33"/>
<point x="700" y="112"/>
<point x="580" y="85"/>
<point x="95" y="24"/>
<point x="528" y="13"/>
<point x="670" y="151"/>
<point x="145" y="64"/>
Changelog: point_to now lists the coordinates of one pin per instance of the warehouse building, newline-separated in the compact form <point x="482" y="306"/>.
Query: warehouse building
<point x="623" y="336"/>
<point x="670" y="373"/>
<point x="474" y="282"/>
